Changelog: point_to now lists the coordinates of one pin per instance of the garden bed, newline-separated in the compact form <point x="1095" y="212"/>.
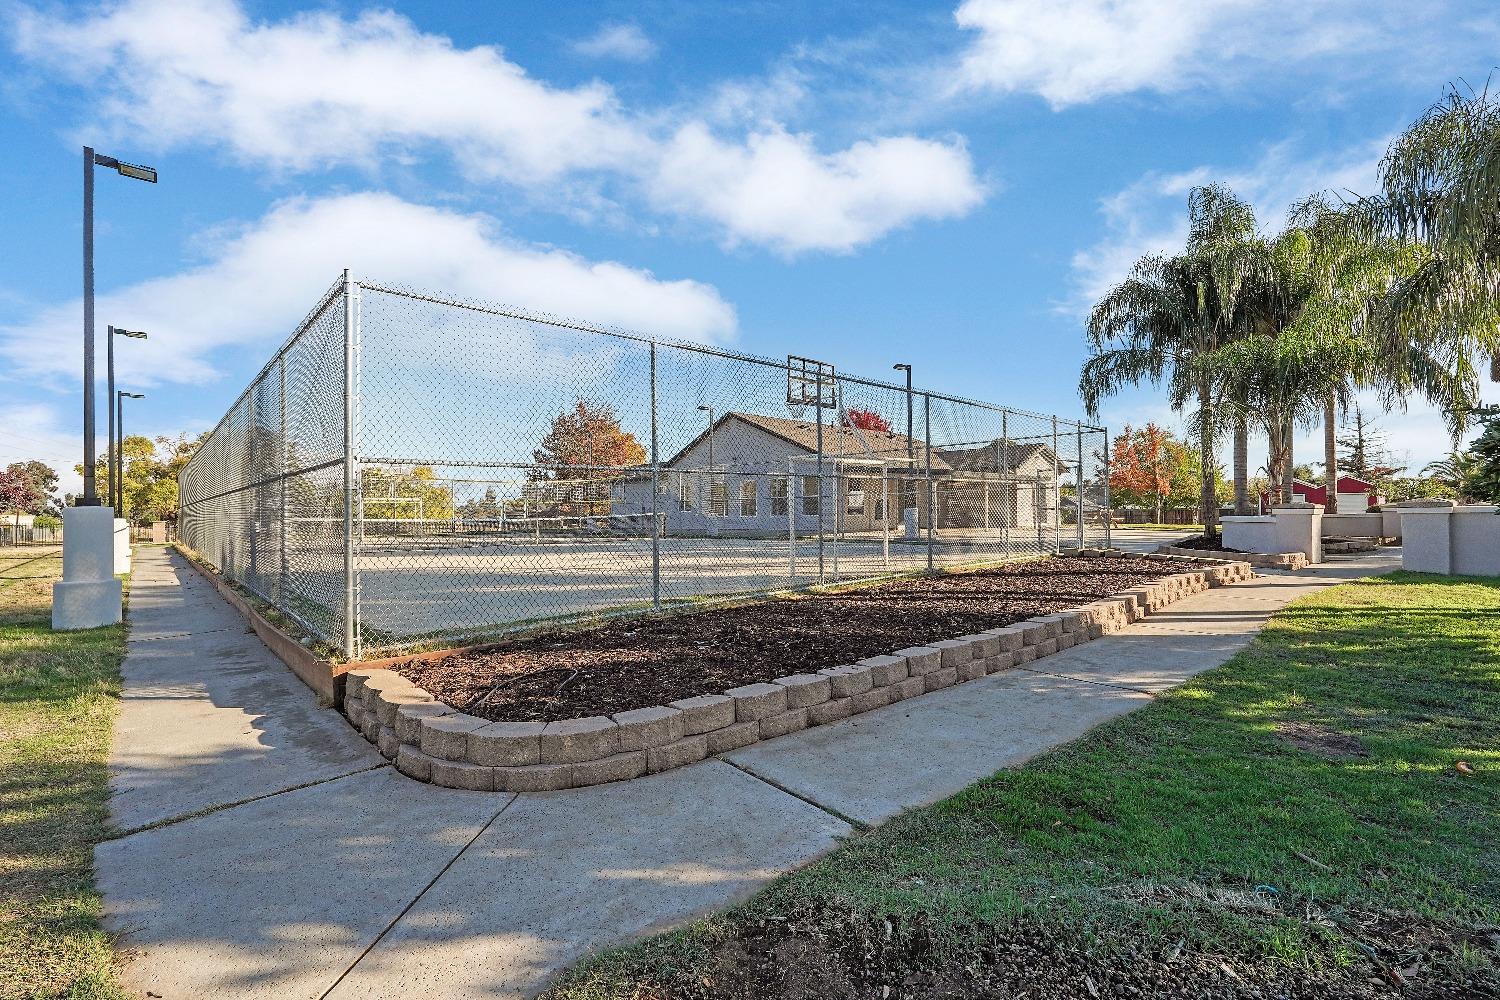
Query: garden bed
<point x="639" y="662"/>
<point x="715" y="667"/>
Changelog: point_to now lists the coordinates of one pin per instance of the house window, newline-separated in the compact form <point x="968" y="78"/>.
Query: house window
<point x="747" y="498"/>
<point x="718" y="501"/>
<point x="855" y="497"/>
<point x="812" y="502"/>
<point x="684" y="497"/>
<point x="778" y="496"/>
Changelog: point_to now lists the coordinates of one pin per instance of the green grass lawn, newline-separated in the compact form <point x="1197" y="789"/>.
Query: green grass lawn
<point x="1186" y="529"/>
<point x="59" y="693"/>
<point x="1320" y="815"/>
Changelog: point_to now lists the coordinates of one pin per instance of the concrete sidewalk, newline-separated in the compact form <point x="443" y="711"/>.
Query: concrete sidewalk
<point x="276" y="854"/>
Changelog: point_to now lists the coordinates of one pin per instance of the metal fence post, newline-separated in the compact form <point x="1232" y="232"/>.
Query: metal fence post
<point x="1080" y="486"/>
<point x="655" y="496"/>
<point x="822" y="499"/>
<point x="927" y="461"/>
<point x="1007" y="484"/>
<point x="351" y="476"/>
<point x="282" y="465"/>
<point x="1109" y="500"/>
<point x="1056" y="492"/>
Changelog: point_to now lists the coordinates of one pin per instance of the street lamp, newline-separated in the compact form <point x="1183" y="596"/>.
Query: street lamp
<point x="90" y="496"/>
<point x="120" y="398"/>
<point x="910" y="453"/>
<point x="116" y="445"/>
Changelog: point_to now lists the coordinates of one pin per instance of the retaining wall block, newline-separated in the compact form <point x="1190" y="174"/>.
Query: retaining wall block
<point x="848" y="681"/>
<point x="741" y="734"/>
<point x="390" y="701"/>
<point x="1046" y="647"/>
<point x="534" y="778"/>
<point x="616" y="767"/>
<point x="870" y="700"/>
<point x="704" y="713"/>
<point x="447" y="737"/>
<point x="753" y="702"/>
<point x="369" y="726"/>
<point x="803" y="690"/>
<point x="354" y="711"/>
<point x="941" y="678"/>
<point x="830" y="711"/>
<point x="955" y="651"/>
<point x="1000" y="661"/>
<point x="354" y="684"/>
<point x="782" y="723"/>
<point x="462" y="774"/>
<point x="413" y="763"/>
<point x="641" y="728"/>
<point x="1025" y="655"/>
<point x="985" y="645"/>
<point x="921" y="659"/>
<point x="1010" y="638"/>
<point x="1035" y="632"/>
<point x="409" y="719"/>
<point x="688" y="750"/>
<point x="973" y="670"/>
<point x="506" y="744"/>
<point x="909" y="688"/>
<point x="885" y="670"/>
<point x="570" y="741"/>
<point x="388" y="742"/>
<point x="1066" y="641"/>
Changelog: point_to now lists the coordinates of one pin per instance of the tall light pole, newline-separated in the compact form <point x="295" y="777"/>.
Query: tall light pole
<point x="910" y="452"/>
<point x="90" y="496"/>
<point x="116" y="444"/>
<point x="120" y="398"/>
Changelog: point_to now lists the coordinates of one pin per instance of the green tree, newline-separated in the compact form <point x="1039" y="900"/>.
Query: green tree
<point x="1482" y="481"/>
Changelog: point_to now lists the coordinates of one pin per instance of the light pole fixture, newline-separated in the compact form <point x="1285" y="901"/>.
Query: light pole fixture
<point x="120" y="398"/>
<point x="114" y="458"/>
<point x="910" y="447"/>
<point x="710" y="411"/>
<point x="135" y="171"/>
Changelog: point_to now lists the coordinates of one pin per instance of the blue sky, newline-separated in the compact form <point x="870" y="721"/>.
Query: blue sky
<point x="944" y="184"/>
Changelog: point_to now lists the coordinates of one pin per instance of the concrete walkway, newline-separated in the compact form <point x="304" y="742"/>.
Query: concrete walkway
<point x="275" y="854"/>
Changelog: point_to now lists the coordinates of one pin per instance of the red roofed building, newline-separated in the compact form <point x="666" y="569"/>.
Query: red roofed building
<point x="1355" y="495"/>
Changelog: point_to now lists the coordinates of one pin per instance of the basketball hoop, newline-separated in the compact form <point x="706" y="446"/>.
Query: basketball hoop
<point x="809" y="383"/>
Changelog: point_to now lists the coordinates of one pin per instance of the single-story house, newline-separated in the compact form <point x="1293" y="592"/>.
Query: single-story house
<point x="755" y="474"/>
<point x="1355" y="495"/>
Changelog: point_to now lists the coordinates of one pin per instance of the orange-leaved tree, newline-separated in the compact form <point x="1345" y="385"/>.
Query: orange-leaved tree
<point x="1142" y="465"/>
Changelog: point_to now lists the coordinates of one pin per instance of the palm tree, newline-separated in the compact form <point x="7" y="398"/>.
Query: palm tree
<point x="1452" y="469"/>
<point x="1440" y="193"/>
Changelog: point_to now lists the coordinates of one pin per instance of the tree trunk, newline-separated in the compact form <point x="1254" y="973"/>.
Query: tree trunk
<point x="1289" y="471"/>
<point x="1330" y="456"/>
<point x="1241" y="465"/>
<point x="1210" y="502"/>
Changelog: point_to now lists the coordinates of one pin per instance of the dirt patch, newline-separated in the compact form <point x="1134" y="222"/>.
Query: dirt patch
<point x="843" y="956"/>
<point x="1327" y="743"/>
<point x="637" y="662"/>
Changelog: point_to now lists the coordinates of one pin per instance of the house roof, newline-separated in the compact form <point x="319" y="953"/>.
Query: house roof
<point x="992" y="455"/>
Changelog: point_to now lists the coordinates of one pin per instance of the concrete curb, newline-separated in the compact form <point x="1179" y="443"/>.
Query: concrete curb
<point x="1265" y="560"/>
<point x="432" y="742"/>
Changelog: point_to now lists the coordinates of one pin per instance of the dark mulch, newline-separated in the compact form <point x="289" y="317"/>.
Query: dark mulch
<point x="851" y="956"/>
<point x="1211" y="543"/>
<point x="641" y="661"/>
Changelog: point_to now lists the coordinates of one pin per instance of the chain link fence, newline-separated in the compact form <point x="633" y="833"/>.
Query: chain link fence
<point x="410" y="469"/>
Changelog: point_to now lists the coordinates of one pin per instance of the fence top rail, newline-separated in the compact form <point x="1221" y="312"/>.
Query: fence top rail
<point x="549" y="319"/>
<point x="307" y="321"/>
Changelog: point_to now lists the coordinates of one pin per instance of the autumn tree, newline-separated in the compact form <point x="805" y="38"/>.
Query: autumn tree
<point x="866" y="420"/>
<point x="1141" y="466"/>
<point x="585" y="442"/>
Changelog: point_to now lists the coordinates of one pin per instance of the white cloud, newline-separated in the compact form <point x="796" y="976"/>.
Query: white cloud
<point x="1070" y="51"/>
<point x="1075" y="51"/>
<point x="1150" y="214"/>
<point x="260" y="280"/>
<point x="316" y="91"/>
<point x="617" y="41"/>
<point x="34" y="431"/>
<point x="778" y="190"/>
